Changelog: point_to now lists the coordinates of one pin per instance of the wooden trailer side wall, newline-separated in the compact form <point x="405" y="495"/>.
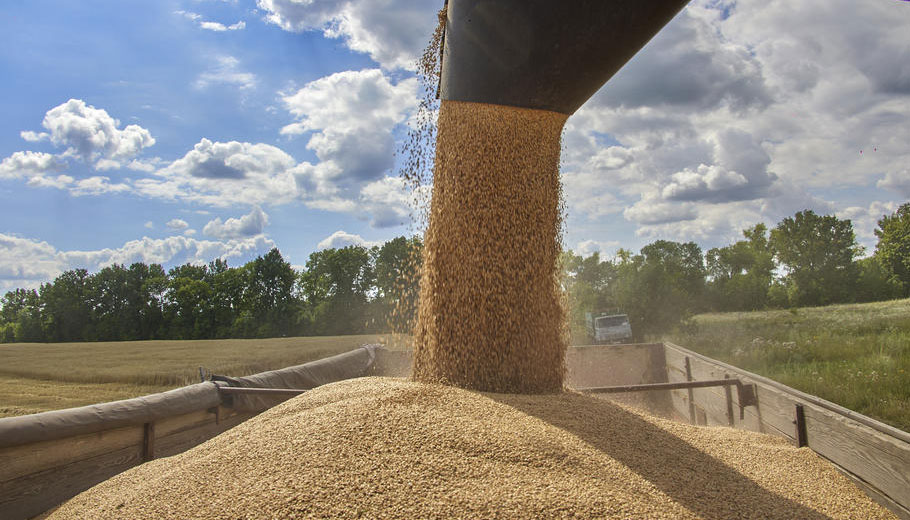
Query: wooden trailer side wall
<point x="38" y="476"/>
<point x="615" y="365"/>
<point x="586" y="366"/>
<point x="877" y="460"/>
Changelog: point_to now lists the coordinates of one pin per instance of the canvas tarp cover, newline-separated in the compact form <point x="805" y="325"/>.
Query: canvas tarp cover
<point x="60" y="424"/>
<point x="301" y="377"/>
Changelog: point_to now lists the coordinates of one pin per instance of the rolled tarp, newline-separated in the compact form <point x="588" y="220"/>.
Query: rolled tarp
<point x="59" y="424"/>
<point x="348" y="365"/>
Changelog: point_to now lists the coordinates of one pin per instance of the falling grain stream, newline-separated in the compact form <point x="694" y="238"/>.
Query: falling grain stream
<point x="490" y="314"/>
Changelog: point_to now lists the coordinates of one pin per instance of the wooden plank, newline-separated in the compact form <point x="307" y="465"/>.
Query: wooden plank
<point x="713" y="403"/>
<point x="775" y="413"/>
<point x="680" y="404"/>
<point x="18" y="461"/>
<point x="902" y="512"/>
<point x="796" y="394"/>
<point x="148" y="441"/>
<point x="728" y="397"/>
<point x="617" y="365"/>
<point x="183" y="440"/>
<point x="690" y="393"/>
<point x="178" y="423"/>
<point x="675" y="369"/>
<point x="701" y="418"/>
<point x="870" y="455"/>
<point x="801" y="433"/>
<point x="33" y="494"/>
<point x="614" y="365"/>
<point x="877" y="459"/>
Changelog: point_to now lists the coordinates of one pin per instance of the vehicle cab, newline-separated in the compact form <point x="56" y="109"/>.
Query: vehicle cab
<point x="612" y="329"/>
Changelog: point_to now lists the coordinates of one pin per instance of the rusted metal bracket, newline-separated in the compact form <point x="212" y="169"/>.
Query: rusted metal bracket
<point x="802" y="436"/>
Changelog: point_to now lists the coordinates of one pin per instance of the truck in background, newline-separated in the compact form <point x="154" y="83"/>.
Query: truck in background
<point x="609" y="328"/>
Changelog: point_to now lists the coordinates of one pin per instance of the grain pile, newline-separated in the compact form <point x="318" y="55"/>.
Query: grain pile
<point x="490" y="315"/>
<point x="386" y="448"/>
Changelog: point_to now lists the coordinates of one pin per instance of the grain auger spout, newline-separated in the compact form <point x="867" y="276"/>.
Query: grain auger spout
<point x="543" y="54"/>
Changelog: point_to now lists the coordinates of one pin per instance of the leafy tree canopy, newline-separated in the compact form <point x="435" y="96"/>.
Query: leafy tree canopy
<point x="893" y="248"/>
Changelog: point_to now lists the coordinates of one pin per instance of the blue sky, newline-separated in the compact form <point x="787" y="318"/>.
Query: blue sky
<point x="184" y="130"/>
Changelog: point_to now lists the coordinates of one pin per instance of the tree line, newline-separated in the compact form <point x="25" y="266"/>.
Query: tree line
<point x="805" y="260"/>
<point x="350" y="290"/>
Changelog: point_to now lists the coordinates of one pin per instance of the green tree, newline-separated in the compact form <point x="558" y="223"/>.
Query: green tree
<point x="229" y="303"/>
<point x="146" y="285"/>
<point x="874" y="282"/>
<point x="818" y="253"/>
<point x="741" y="273"/>
<point x="188" y="303"/>
<point x="661" y="286"/>
<point x="66" y="311"/>
<point x="21" y="316"/>
<point x="893" y="248"/>
<point x="397" y="271"/>
<point x="270" y="294"/>
<point x="336" y="286"/>
<point x="109" y="296"/>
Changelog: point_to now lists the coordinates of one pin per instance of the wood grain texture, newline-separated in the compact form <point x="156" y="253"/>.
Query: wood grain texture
<point x="181" y="441"/>
<point x="879" y="460"/>
<point x="33" y="494"/>
<point x="613" y="365"/>
<point x="18" y="461"/>
<point x="42" y="475"/>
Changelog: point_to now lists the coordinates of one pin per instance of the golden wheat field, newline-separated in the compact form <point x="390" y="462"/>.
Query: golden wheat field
<point x="37" y="377"/>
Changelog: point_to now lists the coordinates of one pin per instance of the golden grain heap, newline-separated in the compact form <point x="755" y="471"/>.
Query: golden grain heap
<point x="387" y="448"/>
<point x="490" y="315"/>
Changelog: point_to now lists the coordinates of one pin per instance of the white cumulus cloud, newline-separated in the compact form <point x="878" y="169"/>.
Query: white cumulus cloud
<point x="223" y="174"/>
<point x="177" y="224"/>
<point x="587" y="248"/>
<point x="751" y="111"/>
<point x="26" y="262"/>
<point x="33" y="137"/>
<point x="352" y="115"/>
<point x="865" y="220"/>
<point x="28" y="165"/>
<point x="92" y="134"/>
<point x="220" y="27"/>
<point x="253" y="223"/>
<point x="392" y="32"/>
<point x="386" y="201"/>
<point x="97" y="185"/>
<point x="898" y="182"/>
<point x="340" y="239"/>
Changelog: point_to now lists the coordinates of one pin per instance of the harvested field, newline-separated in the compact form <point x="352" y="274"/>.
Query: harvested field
<point x="38" y="377"/>
<point x="855" y="355"/>
<point x="386" y="448"/>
